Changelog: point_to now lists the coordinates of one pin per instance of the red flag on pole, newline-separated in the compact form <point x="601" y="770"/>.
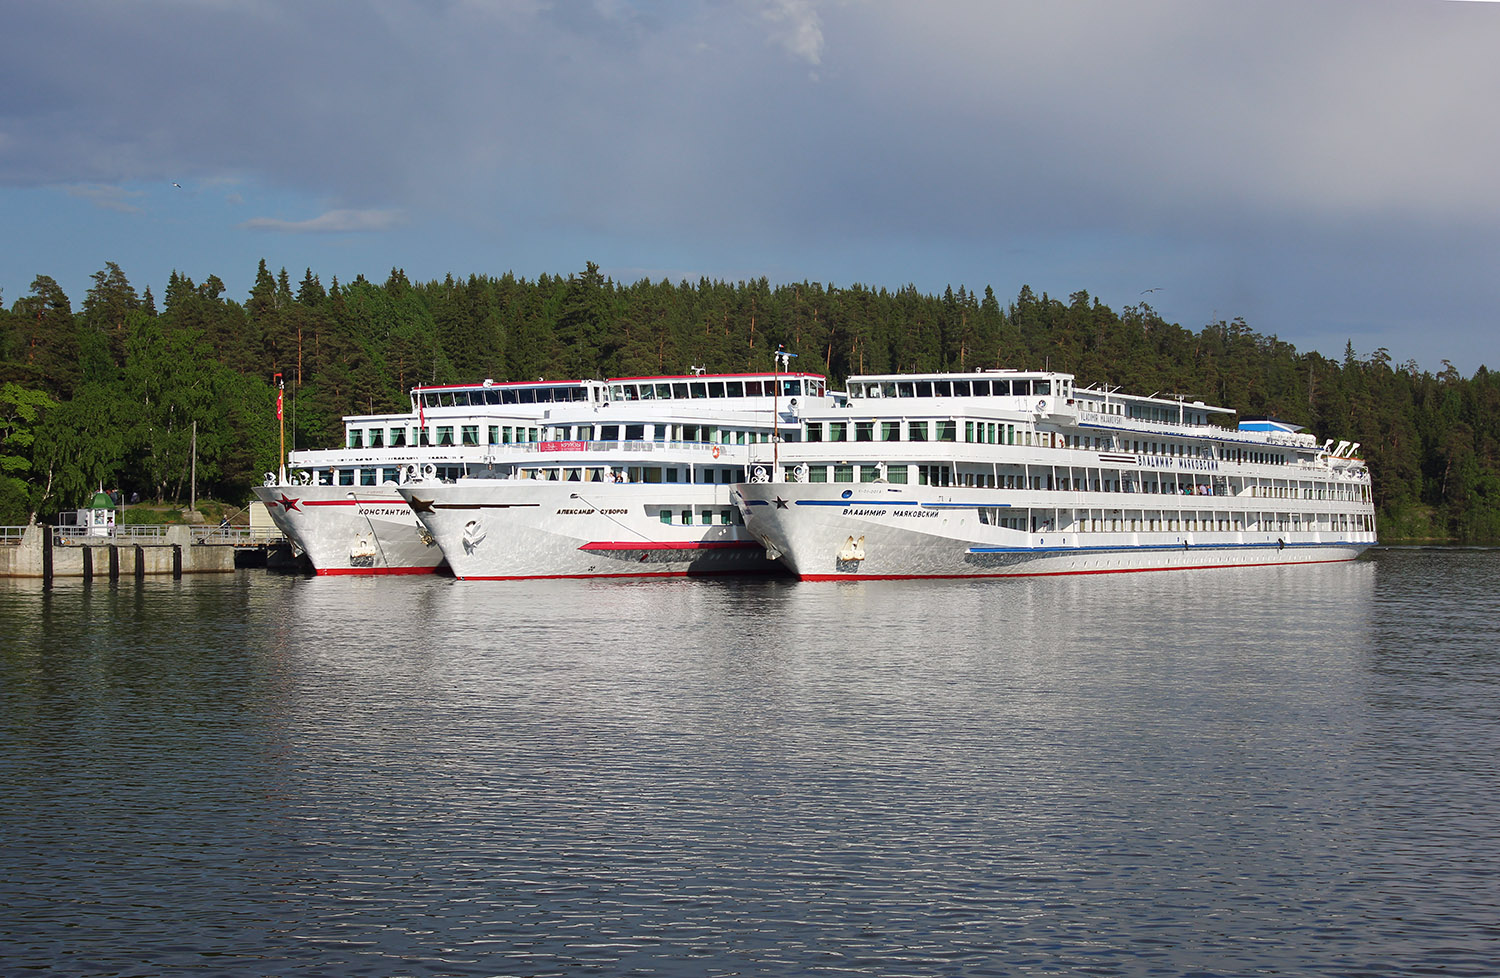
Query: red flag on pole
<point x="280" y="386"/>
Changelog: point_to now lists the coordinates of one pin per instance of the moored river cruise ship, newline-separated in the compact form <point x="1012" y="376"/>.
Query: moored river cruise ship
<point x="1007" y="473"/>
<point x="641" y="484"/>
<point x="340" y="506"/>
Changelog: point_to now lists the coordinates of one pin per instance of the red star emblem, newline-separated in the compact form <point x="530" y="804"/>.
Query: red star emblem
<point x="288" y="503"/>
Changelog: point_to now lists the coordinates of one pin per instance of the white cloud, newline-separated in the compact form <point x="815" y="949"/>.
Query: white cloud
<point x="337" y="221"/>
<point x="797" y="28"/>
<point x="107" y="197"/>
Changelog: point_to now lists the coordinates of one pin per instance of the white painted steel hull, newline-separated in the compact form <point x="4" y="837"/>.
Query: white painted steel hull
<point x="871" y="531"/>
<point x="514" y="529"/>
<point x="352" y="529"/>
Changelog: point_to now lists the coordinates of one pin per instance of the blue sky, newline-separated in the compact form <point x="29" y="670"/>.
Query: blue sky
<point x="1325" y="169"/>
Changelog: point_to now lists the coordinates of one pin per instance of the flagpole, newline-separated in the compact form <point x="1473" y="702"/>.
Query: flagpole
<point x="281" y="421"/>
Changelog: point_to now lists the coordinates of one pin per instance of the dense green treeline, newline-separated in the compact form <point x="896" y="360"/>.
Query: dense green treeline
<point x="108" y="393"/>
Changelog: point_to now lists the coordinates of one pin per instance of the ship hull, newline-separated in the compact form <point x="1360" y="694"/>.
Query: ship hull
<point x="837" y="532"/>
<point x="344" y="530"/>
<point x="522" y="529"/>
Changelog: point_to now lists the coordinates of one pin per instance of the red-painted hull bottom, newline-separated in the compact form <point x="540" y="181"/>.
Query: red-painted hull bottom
<point x="371" y="571"/>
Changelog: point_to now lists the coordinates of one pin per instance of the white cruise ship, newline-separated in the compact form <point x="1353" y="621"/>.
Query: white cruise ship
<point x="340" y="506"/>
<point x="640" y="484"/>
<point x="1003" y="473"/>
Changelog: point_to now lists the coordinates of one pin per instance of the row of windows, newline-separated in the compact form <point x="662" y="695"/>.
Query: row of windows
<point x="476" y="435"/>
<point x="708" y="475"/>
<point x="375" y="476"/>
<point x="706" y="517"/>
<point x="684" y="390"/>
<point x="998" y="433"/>
<point x="1086" y="521"/>
<point x="1011" y="387"/>
<point x="485" y="396"/>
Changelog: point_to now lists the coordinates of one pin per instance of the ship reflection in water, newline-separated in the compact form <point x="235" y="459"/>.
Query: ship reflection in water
<point x="1279" y="770"/>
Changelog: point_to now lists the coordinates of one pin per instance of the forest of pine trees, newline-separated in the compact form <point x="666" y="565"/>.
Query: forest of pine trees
<point x="106" y="394"/>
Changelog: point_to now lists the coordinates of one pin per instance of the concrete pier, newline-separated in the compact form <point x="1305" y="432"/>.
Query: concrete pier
<point x="44" y="552"/>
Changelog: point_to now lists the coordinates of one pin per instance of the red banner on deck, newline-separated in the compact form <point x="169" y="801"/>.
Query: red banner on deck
<point x="562" y="446"/>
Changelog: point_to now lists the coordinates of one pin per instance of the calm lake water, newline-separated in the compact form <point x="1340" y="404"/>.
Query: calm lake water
<point x="1243" y="772"/>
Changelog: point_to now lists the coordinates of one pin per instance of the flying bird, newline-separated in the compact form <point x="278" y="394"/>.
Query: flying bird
<point x="177" y="185"/>
<point x="1144" y="291"/>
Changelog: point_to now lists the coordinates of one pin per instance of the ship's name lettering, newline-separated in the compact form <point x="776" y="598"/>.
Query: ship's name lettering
<point x="383" y="510"/>
<point x="908" y="513"/>
<point x="1173" y="461"/>
<point x="591" y="512"/>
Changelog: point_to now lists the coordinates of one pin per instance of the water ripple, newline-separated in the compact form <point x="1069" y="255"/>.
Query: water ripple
<point x="1247" y="772"/>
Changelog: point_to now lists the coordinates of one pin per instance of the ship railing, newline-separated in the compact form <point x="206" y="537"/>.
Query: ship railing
<point x="235" y="536"/>
<point x="10" y="536"/>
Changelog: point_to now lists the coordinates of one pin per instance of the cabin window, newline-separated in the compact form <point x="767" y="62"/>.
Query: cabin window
<point x="346" y="477"/>
<point x="367" y="477"/>
<point x="698" y="389"/>
<point x="470" y="434"/>
<point x="726" y="517"/>
<point x="734" y="388"/>
<point x="843" y="473"/>
<point x="585" y="432"/>
<point x="942" y="388"/>
<point x="687" y="517"/>
<point x="791" y="388"/>
<point x="890" y="431"/>
<point x="377" y="438"/>
<point x="494" y="435"/>
<point x="389" y="475"/>
<point x="960" y="388"/>
<point x="981" y="388"/>
<point x="817" y="473"/>
<point x="896" y="474"/>
<point x="916" y="431"/>
<point x="424" y="439"/>
<point x="669" y="475"/>
<point x="609" y="432"/>
<point x="869" y="473"/>
<point x="905" y="388"/>
<point x="666" y="516"/>
<point x="924" y="388"/>
<point x="356" y="438"/>
<point x="679" y="390"/>
<point x="814" y="431"/>
<point x="947" y="431"/>
<point x="864" y="431"/>
<point x="838" y="431"/>
<point x="715" y="388"/>
<point x="398" y="437"/>
<point x="635" y="432"/>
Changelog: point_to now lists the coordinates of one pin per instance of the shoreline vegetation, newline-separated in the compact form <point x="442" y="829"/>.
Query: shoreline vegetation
<point x="108" y="395"/>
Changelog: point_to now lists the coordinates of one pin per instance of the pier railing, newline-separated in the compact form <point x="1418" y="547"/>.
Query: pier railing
<point x="156" y="535"/>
